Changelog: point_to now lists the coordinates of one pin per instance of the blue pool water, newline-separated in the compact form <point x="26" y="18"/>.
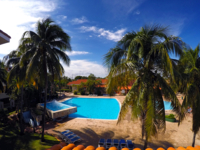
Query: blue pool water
<point x="167" y="105"/>
<point x="54" y="106"/>
<point x="94" y="108"/>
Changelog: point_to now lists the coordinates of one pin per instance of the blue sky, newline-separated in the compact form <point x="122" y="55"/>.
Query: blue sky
<point x="96" y="25"/>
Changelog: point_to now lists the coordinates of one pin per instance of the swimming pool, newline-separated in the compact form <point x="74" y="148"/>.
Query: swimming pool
<point x="95" y="108"/>
<point x="167" y="105"/>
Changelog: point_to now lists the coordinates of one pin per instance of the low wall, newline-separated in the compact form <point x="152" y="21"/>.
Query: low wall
<point x="61" y="113"/>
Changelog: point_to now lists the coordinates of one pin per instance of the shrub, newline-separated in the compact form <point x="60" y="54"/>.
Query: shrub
<point x="82" y="92"/>
<point x="75" y="92"/>
<point x="66" y="90"/>
<point x="170" y="116"/>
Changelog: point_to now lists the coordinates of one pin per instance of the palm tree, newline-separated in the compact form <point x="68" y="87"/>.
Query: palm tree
<point x="2" y="76"/>
<point x="18" y="73"/>
<point x="48" y="42"/>
<point x="189" y="66"/>
<point x="144" y="57"/>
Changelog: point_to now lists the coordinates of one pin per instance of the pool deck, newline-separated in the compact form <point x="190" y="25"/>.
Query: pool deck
<point x="91" y="130"/>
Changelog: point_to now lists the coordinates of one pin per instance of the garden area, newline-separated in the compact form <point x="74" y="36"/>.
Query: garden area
<point x="10" y="138"/>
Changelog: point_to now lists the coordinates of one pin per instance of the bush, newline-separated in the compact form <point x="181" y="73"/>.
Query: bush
<point x="170" y="116"/>
<point x="82" y="92"/>
<point x="75" y="92"/>
<point x="66" y="90"/>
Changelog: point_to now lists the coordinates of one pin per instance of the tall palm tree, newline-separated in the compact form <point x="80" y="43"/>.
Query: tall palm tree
<point x="189" y="66"/>
<point x="144" y="57"/>
<point x="48" y="42"/>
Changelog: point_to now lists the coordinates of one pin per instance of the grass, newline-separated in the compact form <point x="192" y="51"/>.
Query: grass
<point x="170" y="116"/>
<point x="11" y="140"/>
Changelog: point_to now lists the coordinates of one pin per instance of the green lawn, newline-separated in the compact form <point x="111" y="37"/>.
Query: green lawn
<point x="11" y="140"/>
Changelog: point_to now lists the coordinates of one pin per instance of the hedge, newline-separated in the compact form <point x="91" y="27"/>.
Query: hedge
<point x="66" y="90"/>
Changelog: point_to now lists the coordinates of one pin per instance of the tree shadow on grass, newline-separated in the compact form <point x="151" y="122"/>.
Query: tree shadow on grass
<point x="27" y="141"/>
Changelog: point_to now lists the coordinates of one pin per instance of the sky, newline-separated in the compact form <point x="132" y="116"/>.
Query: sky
<point x="95" y="26"/>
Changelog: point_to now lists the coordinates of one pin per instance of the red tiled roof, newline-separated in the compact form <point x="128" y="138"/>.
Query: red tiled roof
<point x="77" y="81"/>
<point x="104" y="81"/>
<point x="5" y="34"/>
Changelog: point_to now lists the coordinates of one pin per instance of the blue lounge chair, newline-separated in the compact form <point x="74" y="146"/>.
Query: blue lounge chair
<point x="122" y="143"/>
<point x="71" y="136"/>
<point x="27" y="116"/>
<point x="116" y="143"/>
<point x="75" y="139"/>
<point x="65" y="132"/>
<point x="108" y="143"/>
<point x="130" y="145"/>
<point x="101" y="143"/>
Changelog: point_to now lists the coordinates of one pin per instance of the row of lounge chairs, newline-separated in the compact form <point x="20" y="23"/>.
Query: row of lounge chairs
<point x="70" y="137"/>
<point x="119" y="144"/>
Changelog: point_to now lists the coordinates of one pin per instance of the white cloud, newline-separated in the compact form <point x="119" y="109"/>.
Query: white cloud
<point x="84" y="68"/>
<point x="63" y="17"/>
<point x="119" y="7"/>
<point x="176" y="26"/>
<point x="73" y="53"/>
<point x="79" y="20"/>
<point x="20" y="16"/>
<point x="137" y="12"/>
<point x="113" y="36"/>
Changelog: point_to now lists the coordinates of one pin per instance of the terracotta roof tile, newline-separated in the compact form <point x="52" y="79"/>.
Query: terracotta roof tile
<point x="77" y="81"/>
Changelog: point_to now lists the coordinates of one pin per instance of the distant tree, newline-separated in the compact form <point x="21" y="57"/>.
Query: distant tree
<point x="84" y="77"/>
<point x="78" y="77"/>
<point x="81" y="88"/>
<point x="91" y="77"/>
<point x="92" y="85"/>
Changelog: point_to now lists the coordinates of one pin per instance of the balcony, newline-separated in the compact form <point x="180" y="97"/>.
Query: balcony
<point x="4" y="38"/>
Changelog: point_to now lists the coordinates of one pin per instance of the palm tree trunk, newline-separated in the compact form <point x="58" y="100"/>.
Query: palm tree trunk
<point x="21" y="105"/>
<point x="193" y="143"/>
<point x="60" y="89"/>
<point x="145" y="142"/>
<point x="45" y="95"/>
<point x="142" y="119"/>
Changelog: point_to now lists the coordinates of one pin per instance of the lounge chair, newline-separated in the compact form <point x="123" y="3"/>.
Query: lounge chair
<point x="122" y="143"/>
<point x="27" y="116"/>
<point x="64" y="132"/>
<point x="75" y="139"/>
<point x="108" y="143"/>
<point x="71" y="136"/>
<point x="130" y="145"/>
<point x="116" y="143"/>
<point x="101" y="143"/>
